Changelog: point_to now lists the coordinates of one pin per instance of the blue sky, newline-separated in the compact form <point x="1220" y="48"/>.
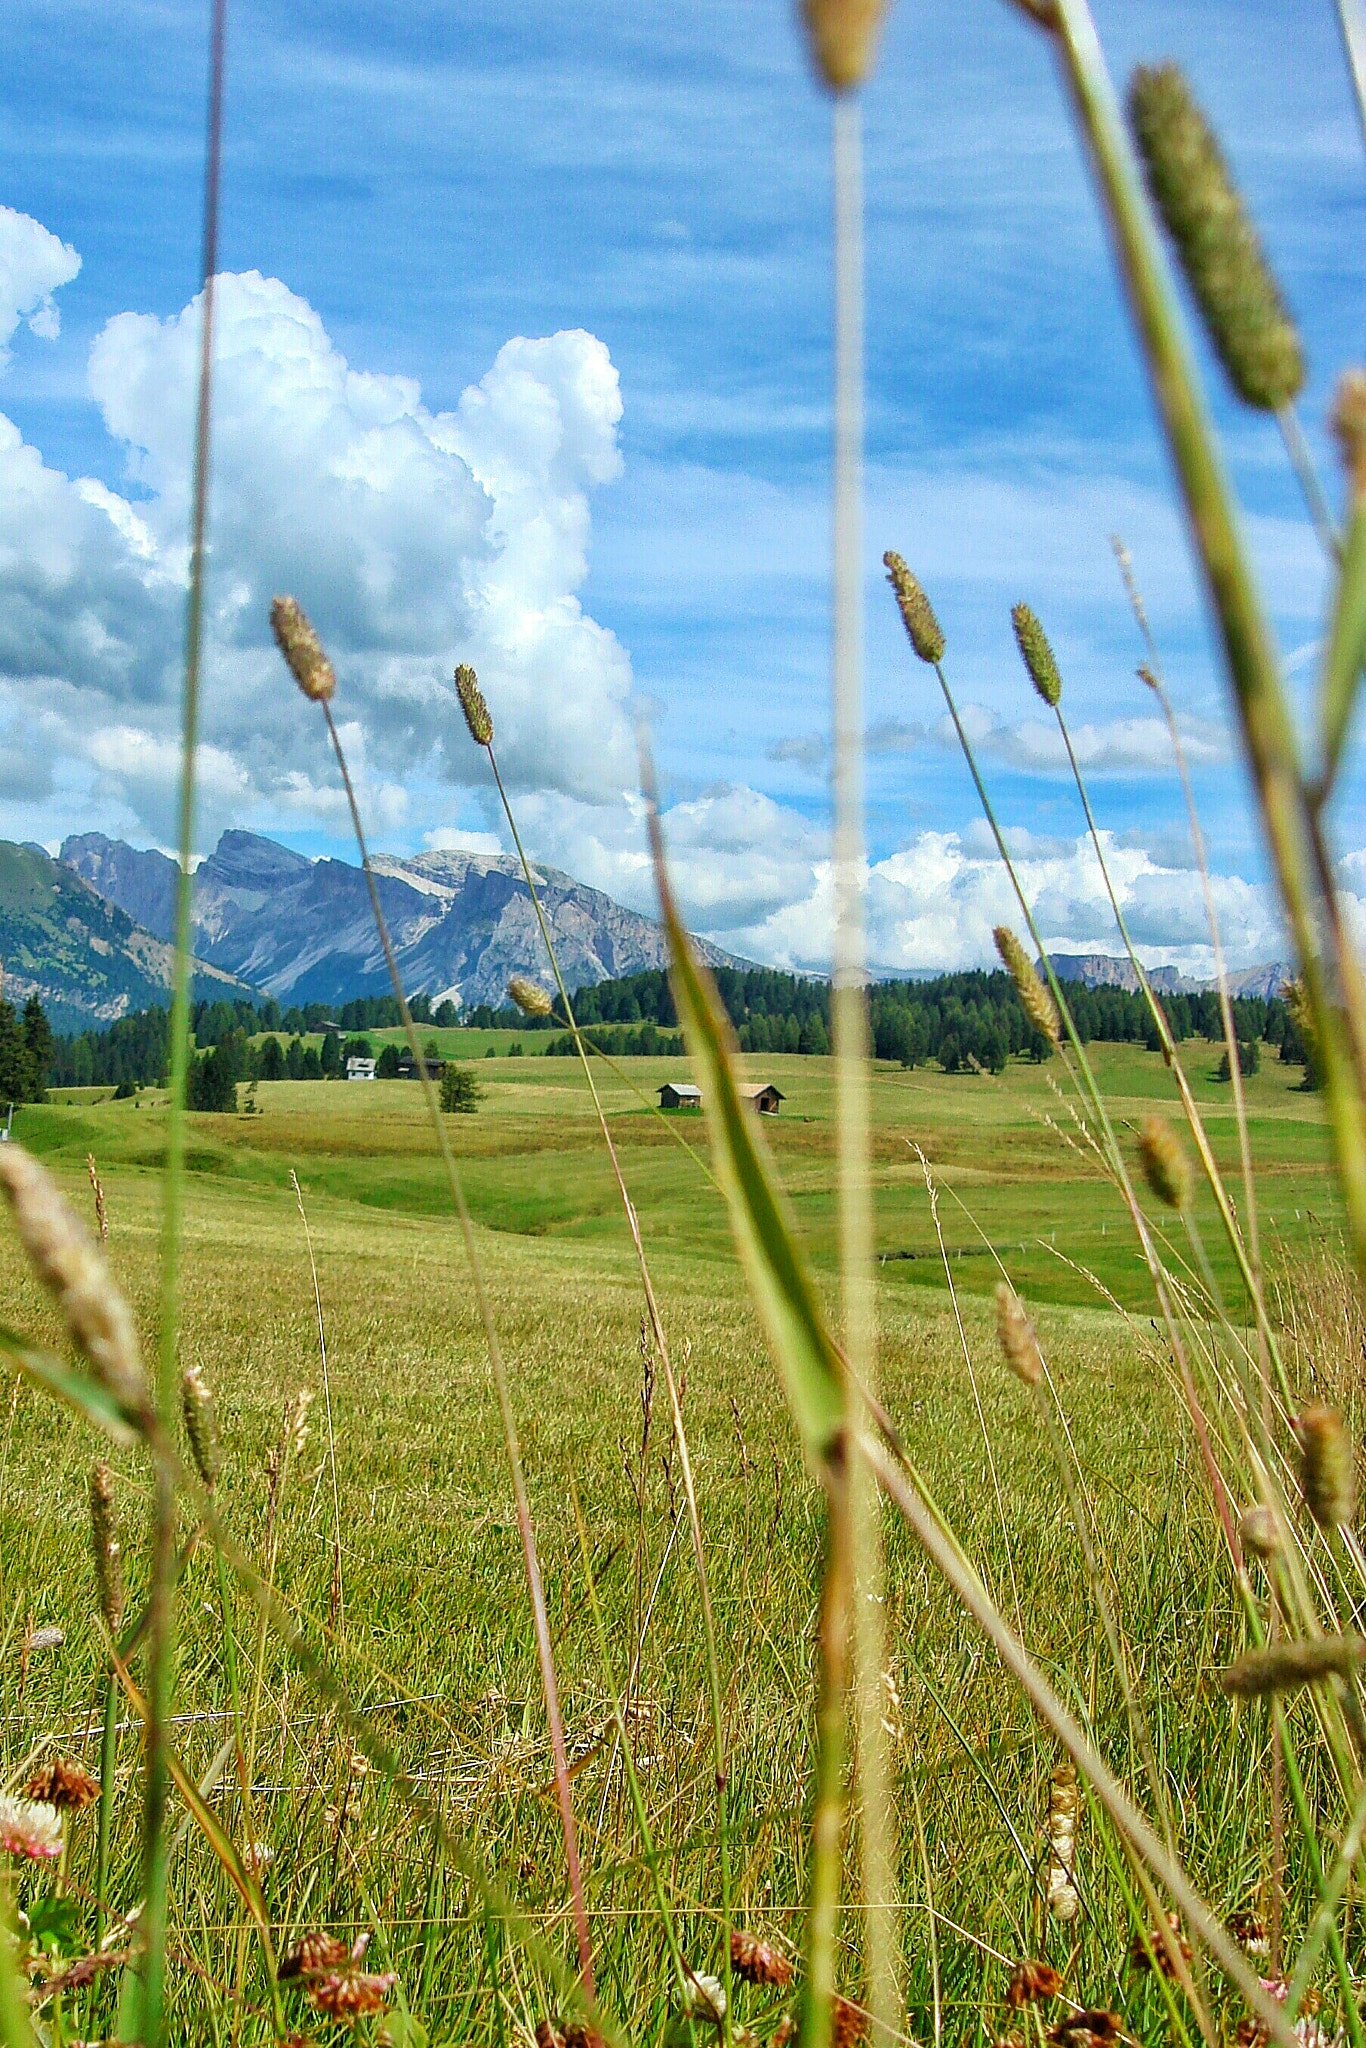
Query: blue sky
<point x="430" y="183"/>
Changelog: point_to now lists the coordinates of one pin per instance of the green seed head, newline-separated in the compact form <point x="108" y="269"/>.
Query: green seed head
<point x="1326" y="1477"/>
<point x="1349" y="426"/>
<point x="472" y="704"/>
<point x="302" y="649"/>
<point x="1216" y="244"/>
<point x="105" y="1543"/>
<point x="1259" y="1532"/>
<point x="1166" y="1167"/>
<point x="1038" y="1004"/>
<point x="1036" y="654"/>
<point x="196" y="1403"/>
<point x="1289" y="1664"/>
<point x="917" y="613"/>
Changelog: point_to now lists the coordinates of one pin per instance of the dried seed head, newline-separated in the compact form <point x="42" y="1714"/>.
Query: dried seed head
<point x="64" y="1784"/>
<point x="104" y="1541"/>
<point x="472" y="704"/>
<point x="1037" y="1003"/>
<point x="350" y="1993"/>
<point x="97" y="1189"/>
<point x="1095" y="2028"/>
<point x="1145" y="675"/>
<point x="848" y="2023"/>
<point x="529" y="996"/>
<point x="196" y="1403"/>
<point x="1064" y="1901"/>
<point x="1019" y="1345"/>
<point x="312" y="1953"/>
<point x="917" y="613"/>
<point x="302" y="649"/>
<point x="1165" y="1165"/>
<point x="1031" y="1984"/>
<point x="1326" y="1477"/>
<point x="1259" y="1533"/>
<point x="1349" y="425"/>
<point x="548" y="2035"/>
<point x="579" y="2034"/>
<point x="843" y="34"/>
<point x="1036" y="654"/>
<point x="1287" y="1665"/>
<point x="1138" y="1952"/>
<point x="70" y="1266"/>
<point x="758" y="1962"/>
<point x="1249" y="1930"/>
<point x="1216" y="244"/>
<point x="29" y="1827"/>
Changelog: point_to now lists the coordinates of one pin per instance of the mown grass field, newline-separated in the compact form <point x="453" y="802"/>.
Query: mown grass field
<point x="434" y="1634"/>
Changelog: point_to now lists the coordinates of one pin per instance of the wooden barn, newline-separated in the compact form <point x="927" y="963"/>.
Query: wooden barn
<point x="680" y="1095"/>
<point x="763" y="1097"/>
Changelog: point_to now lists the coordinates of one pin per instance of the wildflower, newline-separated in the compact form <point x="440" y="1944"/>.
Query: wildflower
<point x="258" y="1857"/>
<point x="1138" y="1953"/>
<point x="196" y="1403"/>
<point x="579" y="2034"/>
<point x="1036" y="654"/>
<point x="347" y="1994"/>
<point x="1289" y="1664"/>
<point x="758" y="1962"/>
<point x="1326" y="1477"/>
<point x="1016" y="1335"/>
<point x="63" y="1784"/>
<point x="1349" y="426"/>
<point x="30" y="1827"/>
<point x="314" y="1953"/>
<point x="1165" y="1165"/>
<point x="104" y="1541"/>
<point x="529" y="996"/>
<point x="917" y="613"/>
<point x="1035" y="999"/>
<point x="1090" y="2029"/>
<point x="548" y="2035"/>
<point x="97" y="1317"/>
<point x="1031" y="1984"/>
<point x="1218" y="247"/>
<point x="843" y="34"/>
<point x="302" y="649"/>
<point x="704" y="1998"/>
<point x="784" y="2032"/>
<point x="1249" y="1930"/>
<point x="1064" y="1901"/>
<point x="472" y="704"/>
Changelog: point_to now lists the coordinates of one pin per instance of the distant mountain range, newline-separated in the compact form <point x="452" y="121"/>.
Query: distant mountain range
<point x="86" y="958"/>
<point x="1105" y="970"/>
<point x="302" y="930"/>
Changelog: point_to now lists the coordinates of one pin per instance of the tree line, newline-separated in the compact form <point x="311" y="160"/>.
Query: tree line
<point x="959" y="1021"/>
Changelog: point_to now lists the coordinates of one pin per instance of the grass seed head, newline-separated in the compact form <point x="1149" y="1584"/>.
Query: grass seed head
<point x="1146" y="676"/>
<point x="106" y="1545"/>
<point x="1031" y="1984"/>
<point x="1166" y="1168"/>
<point x="1216" y="244"/>
<point x="529" y="996"/>
<point x="1259" y="1532"/>
<point x="843" y="35"/>
<point x="1064" y="1901"/>
<point x="302" y="649"/>
<point x="1036" y="654"/>
<point x="848" y="2024"/>
<point x="30" y="1828"/>
<point x="548" y="2035"/>
<point x="97" y="1189"/>
<point x="73" y="1270"/>
<point x="580" y="2034"/>
<point x="1249" y="1931"/>
<point x="1019" y="1345"/>
<point x="472" y="704"/>
<point x="1035" y="999"/>
<point x="1289" y="1664"/>
<point x="1326" y="1477"/>
<point x="201" y="1428"/>
<point x="313" y="1953"/>
<point x="758" y="1962"/>
<point x="1139" y="1958"/>
<point x="348" y="1994"/>
<point x="917" y="613"/>
<point x="63" y="1784"/>
<point x="1349" y="427"/>
<point x="1094" y="2028"/>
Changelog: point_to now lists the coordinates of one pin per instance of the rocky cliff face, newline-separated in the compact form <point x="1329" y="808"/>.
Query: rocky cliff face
<point x="85" y="956"/>
<point x="303" y="930"/>
<point x="1104" y="970"/>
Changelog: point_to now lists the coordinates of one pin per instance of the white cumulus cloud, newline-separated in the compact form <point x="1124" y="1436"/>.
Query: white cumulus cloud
<point x="33" y="265"/>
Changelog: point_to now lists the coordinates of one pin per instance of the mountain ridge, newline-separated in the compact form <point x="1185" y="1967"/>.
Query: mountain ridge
<point x="303" y="930"/>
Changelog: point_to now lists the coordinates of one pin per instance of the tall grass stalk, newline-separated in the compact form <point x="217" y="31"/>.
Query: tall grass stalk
<point x="525" y="1525"/>
<point x="661" y="1342"/>
<point x="161" y="1646"/>
<point x="850" y="1033"/>
<point x="336" y="1591"/>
